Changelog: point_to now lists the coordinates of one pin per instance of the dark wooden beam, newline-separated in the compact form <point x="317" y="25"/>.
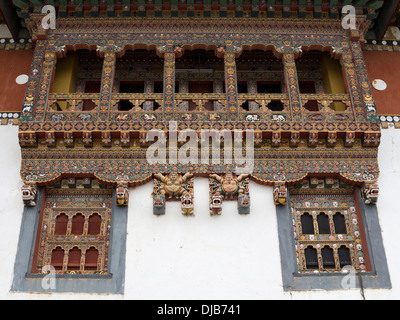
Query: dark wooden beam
<point x="385" y="16"/>
<point x="11" y="18"/>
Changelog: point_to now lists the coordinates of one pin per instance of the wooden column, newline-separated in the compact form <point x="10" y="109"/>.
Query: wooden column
<point x="170" y="53"/>
<point x="107" y="83"/>
<point x="230" y="53"/>
<point x="252" y="88"/>
<point x="365" y="86"/>
<point x="45" y="85"/>
<point x="39" y="84"/>
<point x="292" y="86"/>
<point x="184" y="88"/>
<point x="218" y="88"/>
<point x="32" y="88"/>
<point x="148" y="88"/>
<point x="351" y="81"/>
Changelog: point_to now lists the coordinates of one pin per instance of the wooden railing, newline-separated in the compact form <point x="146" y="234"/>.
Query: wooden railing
<point x="327" y="107"/>
<point x="326" y="100"/>
<point x="71" y="101"/>
<point x="196" y="106"/>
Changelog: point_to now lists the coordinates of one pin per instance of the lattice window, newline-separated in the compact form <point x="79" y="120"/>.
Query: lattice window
<point x="74" y="231"/>
<point x="328" y="228"/>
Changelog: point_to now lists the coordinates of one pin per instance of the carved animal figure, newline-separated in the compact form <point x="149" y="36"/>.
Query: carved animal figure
<point x="29" y="194"/>
<point x="187" y="204"/>
<point x="158" y="204"/>
<point x="280" y="193"/>
<point x="370" y="193"/>
<point x="216" y="203"/>
<point x="122" y="195"/>
<point x="244" y="204"/>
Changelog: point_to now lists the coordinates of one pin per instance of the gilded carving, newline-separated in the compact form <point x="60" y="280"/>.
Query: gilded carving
<point x="229" y="187"/>
<point x="29" y="194"/>
<point x="122" y="194"/>
<point x="173" y="186"/>
<point x="370" y="192"/>
<point x="280" y="193"/>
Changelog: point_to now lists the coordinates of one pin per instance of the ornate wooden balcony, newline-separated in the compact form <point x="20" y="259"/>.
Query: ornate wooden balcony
<point x="296" y="134"/>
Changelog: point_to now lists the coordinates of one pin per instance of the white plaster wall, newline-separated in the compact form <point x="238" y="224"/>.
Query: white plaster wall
<point x="230" y="256"/>
<point x="389" y="210"/>
<point x="4" y="31"/>
<point x="11" y="205"/>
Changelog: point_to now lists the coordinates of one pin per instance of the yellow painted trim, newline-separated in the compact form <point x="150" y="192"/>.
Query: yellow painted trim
<point x="333" y="79"/>
<point x="65" y="77"/>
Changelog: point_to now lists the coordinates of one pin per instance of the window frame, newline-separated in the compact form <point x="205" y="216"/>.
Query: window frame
<point x="112" y="283"/>
<point x="77" y="232"/>
<point x="293" y="280"/>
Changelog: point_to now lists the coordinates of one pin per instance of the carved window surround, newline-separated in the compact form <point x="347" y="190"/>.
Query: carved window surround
<point x="72" y="203"/>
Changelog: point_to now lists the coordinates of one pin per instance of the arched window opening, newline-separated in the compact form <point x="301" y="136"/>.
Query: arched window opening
<point x="307" y="224"/>
<point x="311" y="258"/>
<point x="57" y="258"/>
<point x="328" y="259"/>
<point x="74" y="259"/>
<point x="94" y="224"/>
<point x="91" y="258"/>
<point x="325" y="217"/>
<point x="323" y="223"/>
<point x="339" y="222"/>
<point x="77" y="224"/>
<point x="344" y="256"/>
<point x="61" y="224"/>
